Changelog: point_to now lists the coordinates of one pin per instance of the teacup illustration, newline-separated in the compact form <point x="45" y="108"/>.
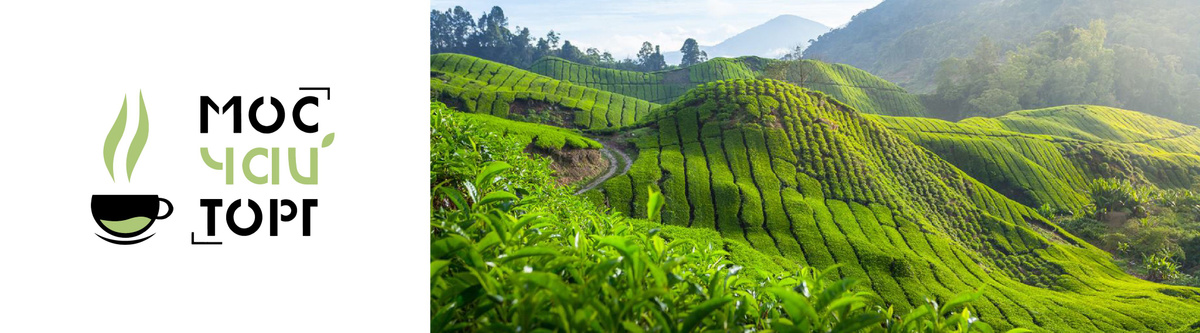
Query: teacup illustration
<point x="127" y="216"/>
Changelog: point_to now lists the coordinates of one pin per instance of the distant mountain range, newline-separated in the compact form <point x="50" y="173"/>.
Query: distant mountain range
<point x="904" y="41"/>
<point x="764" y="40"/>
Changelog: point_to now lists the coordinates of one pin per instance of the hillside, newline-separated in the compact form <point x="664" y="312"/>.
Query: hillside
<point x="1048" y="156"/>
<point x="507" y="249"/>
<point x="1101" y="124"/>
<point x="807" y="180"/>
<point x="481" y="86"/>
<point x="763" y="40"/>
<point x="903" y="41"/>
<point x="850" y="85"/>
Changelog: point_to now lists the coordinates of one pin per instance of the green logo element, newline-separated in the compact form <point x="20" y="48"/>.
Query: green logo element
<point x="135" y="146"/>
<point x="125" y="218"/>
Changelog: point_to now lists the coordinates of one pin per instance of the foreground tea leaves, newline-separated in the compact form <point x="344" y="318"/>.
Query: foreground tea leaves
<point x="527" y="256"/>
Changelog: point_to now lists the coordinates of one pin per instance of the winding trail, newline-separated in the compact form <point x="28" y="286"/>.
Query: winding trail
<point x="612" y="167"/>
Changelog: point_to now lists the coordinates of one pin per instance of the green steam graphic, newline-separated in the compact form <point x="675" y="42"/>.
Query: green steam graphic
<point x="135" y="146"/>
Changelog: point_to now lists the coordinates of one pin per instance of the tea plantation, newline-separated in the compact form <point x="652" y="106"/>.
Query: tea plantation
<point x="1048" y="156"/>
<point x="732" y="172"/>
<point x="511" y="251"/>
<point x="482" y="86"/>
<point x="855" y="87"/>
<point x="539" y="135"/>
<point x="804" y="178"/>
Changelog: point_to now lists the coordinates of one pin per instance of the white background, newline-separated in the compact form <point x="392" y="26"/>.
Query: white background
<point x="64" y="69"/>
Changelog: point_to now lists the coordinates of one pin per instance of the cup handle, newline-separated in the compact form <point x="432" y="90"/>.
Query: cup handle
<point x="170" y="208"/>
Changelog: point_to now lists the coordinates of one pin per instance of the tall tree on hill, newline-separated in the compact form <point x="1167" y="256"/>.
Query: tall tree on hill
<point x="450" y="30"/>
<point x="494" y="37"/>
<point x="571" y="53"/>
<point x="547" y="46"/>
<point x="691" y="53"/>
<point x="650" y="57"/>
<point x="645" y="52"/>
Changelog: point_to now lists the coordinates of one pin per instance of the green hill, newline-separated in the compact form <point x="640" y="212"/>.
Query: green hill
<point x="481" y="86"/>
<point x="1048" y="156"/>
<point x="850" y="85"/>
<point x="539" y="135"/>
<point x="659" y="87"/>
<point x="807" y="180"/>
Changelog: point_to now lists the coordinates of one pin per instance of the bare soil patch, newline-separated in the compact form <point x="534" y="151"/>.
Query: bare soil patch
<point x="541" y="112"/>
<point x="572" y="165"/>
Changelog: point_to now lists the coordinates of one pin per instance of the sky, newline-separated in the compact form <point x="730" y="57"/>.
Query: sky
<point x="621" y="26"/>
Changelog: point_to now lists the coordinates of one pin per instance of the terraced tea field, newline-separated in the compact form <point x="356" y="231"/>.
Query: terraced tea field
<point x="912" y="207"/>
<point x="1049" y="156"/>
<point x="806" y="179"/>
<point x="856" y="88"/>
<point x="482" y="86"/>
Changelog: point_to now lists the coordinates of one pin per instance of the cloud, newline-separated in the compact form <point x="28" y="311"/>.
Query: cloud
<point x="621" y="26"/>
<point x="720" y="8"/>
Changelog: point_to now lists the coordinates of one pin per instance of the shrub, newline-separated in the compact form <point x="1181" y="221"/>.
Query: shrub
<point x="1160" y="267"/>
<point x="1110" y="195"/>
<point x="1085" y="227"/>
<point x="510" y="251"/>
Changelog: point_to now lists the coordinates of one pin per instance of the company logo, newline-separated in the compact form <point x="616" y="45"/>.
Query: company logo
<point x="127" y="217"/>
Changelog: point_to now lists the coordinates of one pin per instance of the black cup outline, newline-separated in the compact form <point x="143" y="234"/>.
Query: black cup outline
<point x="133" y="206"/>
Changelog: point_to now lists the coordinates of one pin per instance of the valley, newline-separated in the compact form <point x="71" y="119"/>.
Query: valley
<point x="785" y="167"/>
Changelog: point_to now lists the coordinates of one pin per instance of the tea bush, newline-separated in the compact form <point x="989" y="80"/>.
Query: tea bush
<point x="482" y="86"/>
<point x="542" y="136"/>
<point x="850" y="85"/>
<point x="510" y="251"/>
<point x="802" y="178"/>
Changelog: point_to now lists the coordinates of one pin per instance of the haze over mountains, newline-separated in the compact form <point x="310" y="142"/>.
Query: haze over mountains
<point x="771" y="39"/>
<point x="903" y="41"/>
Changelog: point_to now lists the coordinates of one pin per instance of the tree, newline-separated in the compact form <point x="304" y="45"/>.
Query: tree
<point x="649" y="58"/>
<point x="553" y="38"/>
<point x="657" y="61"/>
<point x="456" y="31"/>
<point x="449" y="30"/>
<point x="463" y="27"/>
<point x="796" y="53"/>
<point x="570" y="52"/>
<point x="439" y="31"/>
<point x="995" y="102"/>
<point x="644" y="54"/>
<point x="691" y="53"/>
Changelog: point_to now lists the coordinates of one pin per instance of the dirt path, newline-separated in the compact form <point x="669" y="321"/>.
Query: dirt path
<point x="607" y="152"/>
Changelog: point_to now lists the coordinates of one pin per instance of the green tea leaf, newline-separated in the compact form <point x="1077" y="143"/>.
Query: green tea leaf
<point x="440" y="248"/>
<point x="456" y="197"/>
<point x="530" y="252"/>
<point x="958" y="301"/>
<point x="437" y="266"/>
<point x="496" y="196"/>
<point x="701" y="311"/>
<point x="631" y="327"/>
<point x="858" y="322"/>
<point x="489" y="172"/>
<point x="655" y="204"/>
<point x="328" y="140"/>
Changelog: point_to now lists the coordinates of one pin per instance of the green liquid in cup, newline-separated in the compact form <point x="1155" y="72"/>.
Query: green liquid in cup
<point x="130" y="225"/>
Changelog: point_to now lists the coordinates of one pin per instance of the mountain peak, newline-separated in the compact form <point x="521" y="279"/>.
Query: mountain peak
<point x="770" y="39"/>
